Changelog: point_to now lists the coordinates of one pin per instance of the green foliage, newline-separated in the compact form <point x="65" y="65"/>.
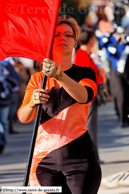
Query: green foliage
<point x="70" y="7"/>
<point x="69" y="3"/>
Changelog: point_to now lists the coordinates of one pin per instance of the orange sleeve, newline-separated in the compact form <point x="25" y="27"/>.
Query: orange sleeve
<point x="90" y="83"/>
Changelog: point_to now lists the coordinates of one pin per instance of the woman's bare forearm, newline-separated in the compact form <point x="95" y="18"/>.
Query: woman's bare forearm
<point x="26" y="114"/>
<point x="74" y="89"/>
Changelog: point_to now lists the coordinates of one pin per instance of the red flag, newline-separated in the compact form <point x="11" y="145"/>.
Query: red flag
<point x="27" y="27"/>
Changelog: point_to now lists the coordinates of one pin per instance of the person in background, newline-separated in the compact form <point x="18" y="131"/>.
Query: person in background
<point x="83" y="59"/>
<point x="64" y="154"/>
<point x="24" y="78"/>
<point x="28" y="64"/>
<point x="9" y="85"/>
<point x="14" y="95"/>
<point x="117" y="83"/>
<point x="91" y="20"/>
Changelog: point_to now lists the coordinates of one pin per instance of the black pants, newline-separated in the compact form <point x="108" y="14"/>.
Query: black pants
<point x="118" y="95"/>
<point x="74" y="167"/>
<point x="92" y="124"/>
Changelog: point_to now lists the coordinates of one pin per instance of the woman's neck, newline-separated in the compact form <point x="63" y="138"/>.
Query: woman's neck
<point x="85" y="48"/>
<point x="64" y="61"/>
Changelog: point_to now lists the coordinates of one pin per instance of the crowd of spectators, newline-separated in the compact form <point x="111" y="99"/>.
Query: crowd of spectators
<point x="14" y="76"/>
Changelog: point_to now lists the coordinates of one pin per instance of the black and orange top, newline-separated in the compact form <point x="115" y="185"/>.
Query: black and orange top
<point x="63" y="119"/>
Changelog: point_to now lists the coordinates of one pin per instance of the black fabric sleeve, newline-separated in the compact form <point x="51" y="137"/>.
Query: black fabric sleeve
<point x="90" y="94"/>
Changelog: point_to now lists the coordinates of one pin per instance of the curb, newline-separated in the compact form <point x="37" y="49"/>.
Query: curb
<point x="120" y="179"/>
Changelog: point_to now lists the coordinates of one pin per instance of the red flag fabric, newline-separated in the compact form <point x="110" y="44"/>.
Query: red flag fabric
<point x="27" y="28"/>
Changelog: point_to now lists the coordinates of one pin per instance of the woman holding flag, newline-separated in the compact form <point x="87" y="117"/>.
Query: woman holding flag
<point x="64" y="154"/>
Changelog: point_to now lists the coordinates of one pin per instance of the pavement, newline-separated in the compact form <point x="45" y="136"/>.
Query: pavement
<point x="113" y="150"/>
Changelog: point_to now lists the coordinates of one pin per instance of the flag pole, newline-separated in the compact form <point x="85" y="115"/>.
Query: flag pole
<point x="34" y="135"/>
<point x="36" y="123"/>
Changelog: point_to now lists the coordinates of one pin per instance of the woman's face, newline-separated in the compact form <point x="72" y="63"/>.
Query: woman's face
<point x="64" y="40"/>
